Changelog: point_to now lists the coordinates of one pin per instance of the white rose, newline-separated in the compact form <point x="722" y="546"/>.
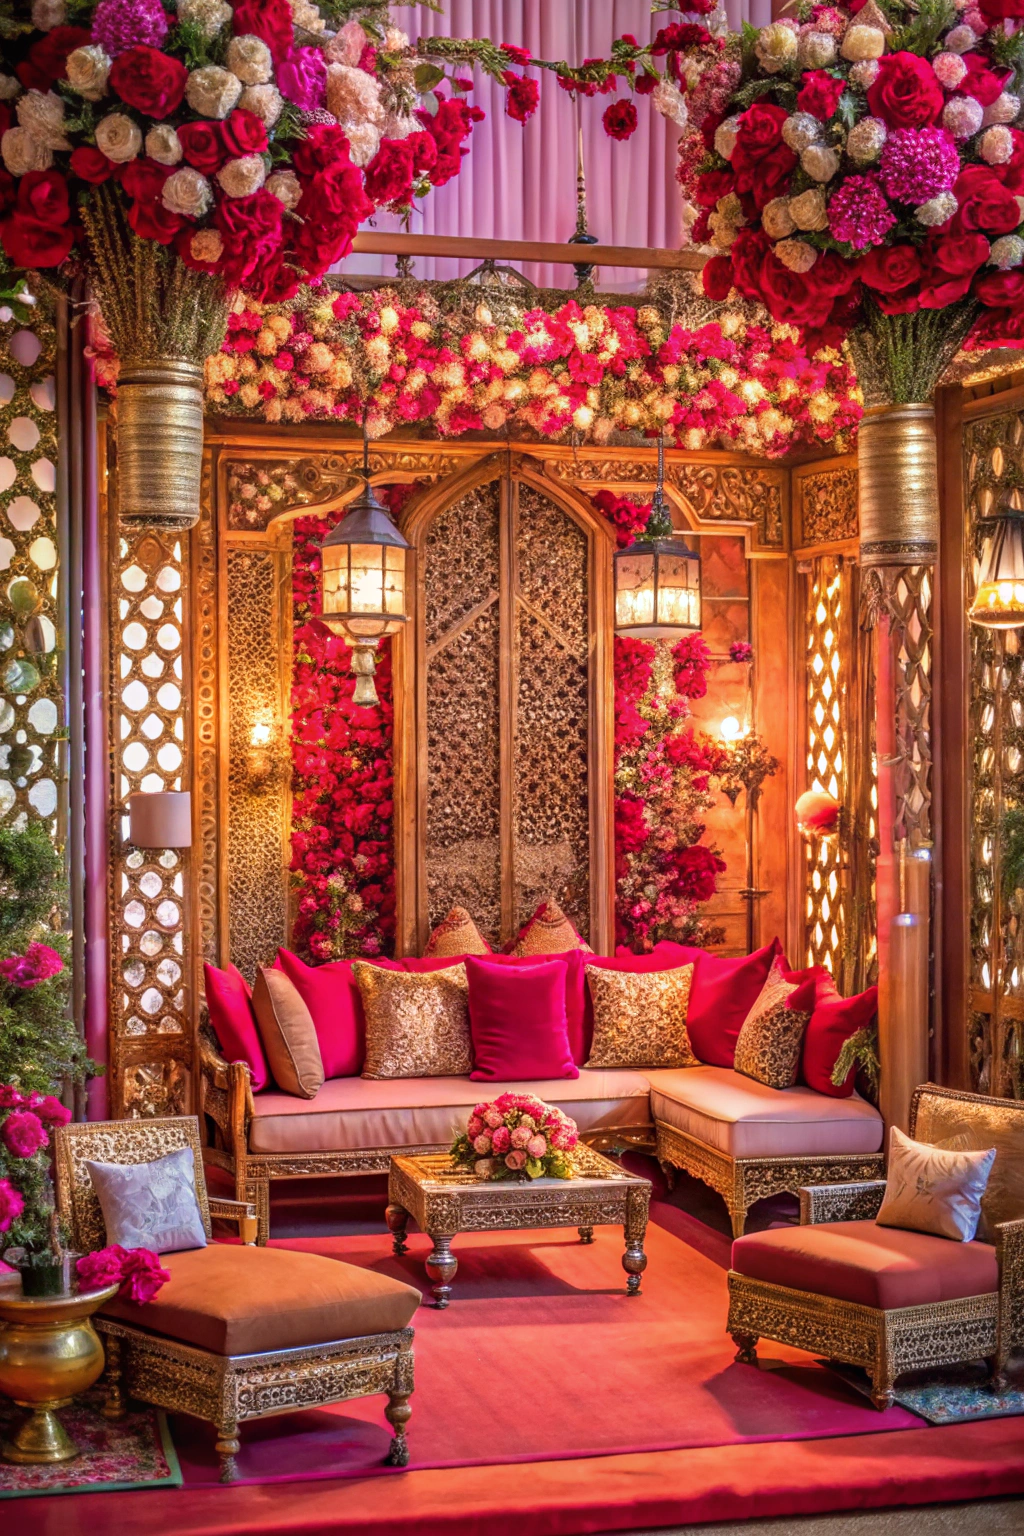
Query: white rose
<point x="249" y="58"/>
<point x="808" y="211"/>
<point x="668" y="99"/>
<point x="776" y="46"/>
<point x="777" y="219"/>
<point x="42" y="113"/>
<point x="816" y="49"/>
<point x="865" y="140"/>
<point x="212" y="91"/>
<point x="364" y="142"/>
<point x="265" y="101"/>
<point x="797" y="255"/>
<point x="242" y="177"/>
<point x="863" y="43"/>
<point x="801" y="130"/>
<point x="210" y="16"/>
<point x="22" y="153"/>
<point x="960" y="40"/>
<point x="936" y="210"/>
<point x="1006" y="252"/>
<point x="188" y="192"/>
<point x="163" y="144"/>
<point x="286" y="187"/>
<point x="725" y="137"/>
<point x="118" y="137"/>
<point x="47" y="14"/>
<point x="820" y="162"/>
<point x="1005" y="109"/>
<point x="865" y="73"/>
<point x="9" y="87"/>
<point x="726" y="220"/>
<point x="88" y="69"/>
<point x="207" y="245"/>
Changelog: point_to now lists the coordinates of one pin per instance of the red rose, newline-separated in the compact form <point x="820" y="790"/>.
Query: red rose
<point x="697" y="869"/>
<point x="335" y="199"/>
<point x="949" y="263"/>
<point x="143" y="179"/>
<point x="31" y="243"/>
<point x="905" y="93"/>
<point x="150" y="81"/>
<point x="1000" y="10"/>
<point x="819" y="94"/>
<point x="324" y="143"/>
<point x="8" y="191"/>
<point x="251" y="231"/>
<point x="888" y="268"/>
<point x="269" y="19"/>
<point x="424" y="151"/>
<point x="709" y="127"/>
<point x="791" y="297"/>
<point x="203" y="146"/>
<point x="760" y="159"/>
<point x="243" y="133"/>
<point x="985" y="204"/>
<point x="91" y="165"/>
<point x="717" y="277"/>
<point x="388" y="177"/>
<point x="981" y="81"/>
<point x="713" y="185"/>
<point x="1012" y="173"/>
<point x="275" y="280"/>
<point x="620" y="119"/>
<point x="749" y="249"/>
<point x="997" y="289"/>
<point x="523" y="96"/>
<point x="152" y="221"/>
<point x="48" y="57"/>
<point x="43" y="195"/>
<point x="645" y="84"/>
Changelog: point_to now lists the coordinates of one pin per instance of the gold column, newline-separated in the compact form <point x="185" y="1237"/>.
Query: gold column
<point x="160" y="442"/>
<point x="898" y="474"/>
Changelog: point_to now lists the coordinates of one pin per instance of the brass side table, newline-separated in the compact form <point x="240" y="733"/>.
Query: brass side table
<point x="445" y="1201"/>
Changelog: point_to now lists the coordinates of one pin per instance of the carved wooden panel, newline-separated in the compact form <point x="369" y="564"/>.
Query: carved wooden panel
<point x="714" y="492"/>
<point x="826" y="627"/>
<point x="825" y="504"/>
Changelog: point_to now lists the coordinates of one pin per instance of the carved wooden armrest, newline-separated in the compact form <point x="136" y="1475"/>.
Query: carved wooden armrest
<point x="227" y="1088"/>
<point x="841" y="1202"/>
<point x="239" y="1211"/>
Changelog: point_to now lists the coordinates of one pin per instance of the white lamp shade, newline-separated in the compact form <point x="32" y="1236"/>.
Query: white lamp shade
<point x="160" y="820"/>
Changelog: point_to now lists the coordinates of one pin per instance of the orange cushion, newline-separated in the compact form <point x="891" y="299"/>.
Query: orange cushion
<point x="882" y="1267"/>
<point x="245" y="1301"/>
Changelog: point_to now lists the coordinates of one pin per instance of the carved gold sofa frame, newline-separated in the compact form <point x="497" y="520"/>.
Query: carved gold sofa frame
<point x="225" y="1096"/>
<point x="225" y="1390"/>
<point x="890" y="1343"/>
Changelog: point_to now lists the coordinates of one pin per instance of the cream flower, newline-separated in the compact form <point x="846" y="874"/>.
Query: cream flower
<point x="47" y="14"/>
<point x="808" y="211"/>
<point x="242" y="177"/>
<point x="960" y="40"/>
<point x="962" y="116"/>
<point x="865" y="140"/>
<point x="801" y="130"/>
<point x="668" y="99"/>
<point x="936" y="210"/>
<point x="863" y="43"/>
<point x="364" y="142"/>
<point x="306" y="16"/>
<point x="777" y="219"/>
<point x="816" y="49"/>
<point x="118" y="137"/>
<point x="23" y="153"/>
<point x="726" y="220"/>
<point x="1006" y="252"/>
<point x="395" y="40"/>
<point x="949" y="70"/>
<point x="207" y="245"/>
<point x="347" y="44"/>
<point x="212" y="91"/>
<point x="797" y="255"/>
<point x="725" y="137"/>
<point x="42" y="114"/>
<point x="353" y="96"/>
<point x="249" y="58"/>
<point x="9" y="87"/>
<point x="88" y="70"/>
<point x="820" y="162"/>
<point x="996" y="145"/>
<point x="1005" y="109"/>
<point x="163" y="144"/>
<point x="776" y="46"/>
<point x="264" y="101"/>
<point x="865" y="73"/>
<point x="187" y="192"/>
<point x="285" y="186"/>
<point x="210" y="16"/>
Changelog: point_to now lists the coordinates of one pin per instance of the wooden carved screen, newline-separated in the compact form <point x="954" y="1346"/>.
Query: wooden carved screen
<point x="514" y="769"/>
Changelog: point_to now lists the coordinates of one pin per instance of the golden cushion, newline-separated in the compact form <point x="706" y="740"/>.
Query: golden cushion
<point x="548" y="932"/>
<point x="964" y="1125"/>
<point x="640" y="1018"/>
<point x="288" y="1034"/>
<point x="769" y="1043"/>
<point x="417" y="1024"/>
<point x="232" y="1300"/>
<point x="456" y="934"/>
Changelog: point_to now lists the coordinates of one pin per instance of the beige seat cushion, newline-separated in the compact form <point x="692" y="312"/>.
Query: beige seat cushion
<point x="745" y="1118"/>
<point x="349" y="1113"/>
<point x="247" y="1301"/>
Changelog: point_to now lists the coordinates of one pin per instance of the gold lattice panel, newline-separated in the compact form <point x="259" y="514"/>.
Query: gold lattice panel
<point x="911" y="627"/>
<point x="33" y="784"/>
<point x="826" y="624"/>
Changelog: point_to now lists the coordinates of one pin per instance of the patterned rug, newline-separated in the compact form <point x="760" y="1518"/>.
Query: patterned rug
<point x="136" y="1453"/>
<point x="956" y="1395"/>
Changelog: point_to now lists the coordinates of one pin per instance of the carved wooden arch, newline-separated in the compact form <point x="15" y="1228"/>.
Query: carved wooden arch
<point x="410" y="662"/>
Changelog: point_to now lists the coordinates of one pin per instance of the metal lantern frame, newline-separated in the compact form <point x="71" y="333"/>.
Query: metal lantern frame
<point x="366" y="525"/>
<point x="999" y="599"/>
<point x="662" y="545"/>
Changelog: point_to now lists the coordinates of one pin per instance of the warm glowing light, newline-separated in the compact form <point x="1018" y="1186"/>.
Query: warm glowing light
<point x="999" y="601"/>
<point x="260" y="735"/>
<point x="730" y="728"/>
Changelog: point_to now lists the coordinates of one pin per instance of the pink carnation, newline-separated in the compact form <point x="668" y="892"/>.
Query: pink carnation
<point x="520" y="1136"/>
<point x="118" y="25"/>
<point x="23" y="1133"/>
<point x="474" y="1128"/>
<point x="144" y="1275"/>
<point x="49" y="1109"/>
<point x="917" y="164"/>
<point x="482" y="1144"/>
<point x="102" y="1268"/>
<point x="501" y="1140"/>
<point x="515" y="1161"/>
<point x="537" y="1146"/>
<point x="492" y="1118"/>
<point x="859" y="213"/>
<point x="11" y="1204"/>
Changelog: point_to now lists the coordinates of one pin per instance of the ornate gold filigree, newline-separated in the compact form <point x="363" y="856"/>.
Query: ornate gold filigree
<point x="713" y="492"/>
<point x="825" y="505"/>
<point x="841" y="1202"/>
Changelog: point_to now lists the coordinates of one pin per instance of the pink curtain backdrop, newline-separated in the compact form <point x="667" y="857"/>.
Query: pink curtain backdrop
<point x="519" y="182"/>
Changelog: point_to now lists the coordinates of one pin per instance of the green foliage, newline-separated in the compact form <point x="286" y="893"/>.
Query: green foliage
<point x="31" y="881"/>
<point x="783" y="91"/>
<point x="1011" y="851"/>
<point x="927" y="22"/>
<point x="861" y="1050"/>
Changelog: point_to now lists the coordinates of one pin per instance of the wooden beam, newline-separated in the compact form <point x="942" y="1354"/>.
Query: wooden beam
<point x="374" y="242"/>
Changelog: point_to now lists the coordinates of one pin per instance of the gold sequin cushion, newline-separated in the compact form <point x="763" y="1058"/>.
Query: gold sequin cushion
<point x="548" y="932"/>
<point x="417" y="1025"/>
<point x="456" y="934"/>
<point x="640" y="1018"/>
<point x="771" y="1038"/>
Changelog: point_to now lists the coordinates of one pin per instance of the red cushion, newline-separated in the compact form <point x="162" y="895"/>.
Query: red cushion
<point x="862" y="1262"/>
<point x="233" y="1021"/>
<point x="422" y="964"/>
<point x="722" y="994"/>
<point x="517" y="1017"/>
<point x="332" y="996"/>
<point x="833" y="1021"/>
<point x="579" y="1021"/>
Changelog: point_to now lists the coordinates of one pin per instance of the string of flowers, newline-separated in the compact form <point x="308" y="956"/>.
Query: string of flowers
<point x="587" y="371"/>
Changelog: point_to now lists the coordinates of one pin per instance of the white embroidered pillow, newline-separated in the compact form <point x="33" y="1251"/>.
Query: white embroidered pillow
<point x="151" y="1205"/>
<point x="932" y="1190"/>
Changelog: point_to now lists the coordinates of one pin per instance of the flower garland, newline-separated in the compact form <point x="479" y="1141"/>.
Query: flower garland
<point x="587" y="371"/>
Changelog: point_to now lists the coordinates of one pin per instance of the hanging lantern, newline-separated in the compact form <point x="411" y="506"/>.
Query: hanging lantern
<point x="657" y="578"/>
<point x="999" y="600"/>
<point x="362" y="584"/>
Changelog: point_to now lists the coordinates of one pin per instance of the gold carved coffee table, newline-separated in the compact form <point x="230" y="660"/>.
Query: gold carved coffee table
<point x="445" y="1201"/>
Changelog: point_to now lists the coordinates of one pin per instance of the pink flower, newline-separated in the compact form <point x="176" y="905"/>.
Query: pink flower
<point x="11" y="1204"/>
<point x="10" y="1098"/>
<point x="118" y="25"/>
<point x="144" y="1275"/>
<point x="104" y="1267"/>
<point x="49" y="1109"/>
<point x="520" y="1136"/>
<point x="537" y="1146"/>
<point x="474" y="1128"/>
<point x="859" y="213"/>
<point x="515" y="1161"/>
<point x="482" y="1144"/>
<point x="917" y="164"/>
<point x="502" y="1140"/>
<point x="23" y="1133"/>
<point x="37" y="964"/>
<point x="492" y="1118"/>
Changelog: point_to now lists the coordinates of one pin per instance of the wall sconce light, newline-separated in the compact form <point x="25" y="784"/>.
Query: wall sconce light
<point x="160" y="819"/>
<point x="817" y="814"/>
<point x="731" y="729"/>
<point x="999" y="600"/>
<point x="262" y="763"/>
<point x="657" y="577"/>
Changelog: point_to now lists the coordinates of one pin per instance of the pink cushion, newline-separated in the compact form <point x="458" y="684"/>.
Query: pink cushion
<point x="517" y="1018"/>
<point x="859" y="1261"/>
<point x="722" y="994"/>
<point x="335" y="1006"/>
<point x="833" y="1021"/>
<point x="579" y="1023"/>
<point x="233" y="1021"/>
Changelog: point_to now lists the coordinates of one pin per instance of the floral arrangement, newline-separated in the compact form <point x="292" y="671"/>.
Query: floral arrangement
<point x="515" y="1136"/>
<point x="586" y="371"/>
<point x="663" y="783"/>
<point x="136" y="1271"/>
<point x="28" y="1218"/>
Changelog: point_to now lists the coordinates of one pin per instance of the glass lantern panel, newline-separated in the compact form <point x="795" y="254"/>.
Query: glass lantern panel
<point x="634" y="590"/>
<point x="678" y="590"/>
<point x="394" y="580"/>
<point x="366" y="577"/>
<point x="334" y="581"/>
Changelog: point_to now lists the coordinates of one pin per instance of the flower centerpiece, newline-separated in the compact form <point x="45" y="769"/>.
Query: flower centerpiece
<point x="29" y="1225"/>
<point x="517" y="1136"/>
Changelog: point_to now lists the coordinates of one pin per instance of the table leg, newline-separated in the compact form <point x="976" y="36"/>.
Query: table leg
<point x="441" y="1266"/>
<point x="397" y="1218"/>
<point x="634" y="1262"/>
<point x="586" y="1234"/>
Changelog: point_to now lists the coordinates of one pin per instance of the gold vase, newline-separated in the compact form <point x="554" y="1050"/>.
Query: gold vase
<point x="49" y="1352"/>
<point x="898" y="476"/>
<point x="159" y="442"/>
